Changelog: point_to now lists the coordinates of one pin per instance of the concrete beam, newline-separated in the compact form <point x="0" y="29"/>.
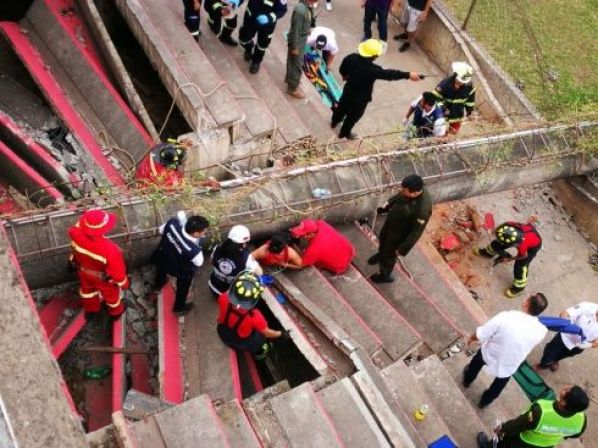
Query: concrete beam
<point x="275" y="201"/>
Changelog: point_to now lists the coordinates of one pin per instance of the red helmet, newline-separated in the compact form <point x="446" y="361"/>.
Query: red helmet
<point x="96" y="222"/>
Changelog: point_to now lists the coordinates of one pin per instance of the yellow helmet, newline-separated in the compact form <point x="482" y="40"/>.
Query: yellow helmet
<point x="371" y="48"/>
<point x="508" y="234"/>
<point x="246" y="290"/>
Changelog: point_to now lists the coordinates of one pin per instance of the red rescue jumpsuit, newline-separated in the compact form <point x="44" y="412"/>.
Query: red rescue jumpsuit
<point x="102" y="271"/>
<point x="150" y="171"/>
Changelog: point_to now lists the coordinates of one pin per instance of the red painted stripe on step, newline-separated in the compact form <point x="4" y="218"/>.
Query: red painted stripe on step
<point x="171" y="371"/>
<point x="38" y="151"/>
<point x="253" y="373"/>
<point x="244" y="417"/>
<point x="50" y="314"/>
<point x="234" y="372"/>
<point x="119" y="380"/>
<point x="81" y="38"/>
<point x="20" y="166"/>
<point x="65" y="336"/>
<point x="65" y="110"/>
<point x="25" y="288"/>
<point x="327" y="417"/>
<point x="350" y="308"/>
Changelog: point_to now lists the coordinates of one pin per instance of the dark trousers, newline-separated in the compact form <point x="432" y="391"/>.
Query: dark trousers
<point x="220" y="26"/>
<point x="555" y="350"/>
<point x="387" y="252"/>
<point x="253" y="343"/>
<point x="264" y="35"/>
<point x="521" y="268"/>
<point x="471" y="372"/>
<point x="191" y="17"/>
<point x="183" y="282"/>
<point x="381" y="15"/>
<point x="350" y="112"/>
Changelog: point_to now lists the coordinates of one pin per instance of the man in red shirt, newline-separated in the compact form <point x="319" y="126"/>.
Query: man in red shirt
<point x="326" y="248"/>
<point x="240" y="326"/>
<point x="528" y="242"/>
<point x="99" y="263"/>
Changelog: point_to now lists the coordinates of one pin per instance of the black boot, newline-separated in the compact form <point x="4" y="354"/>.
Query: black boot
<point x="374" y="259"/>
<point x="228" y="40"/>
<point x="254" y="68"/>
<point x="483" y="440"/>
<point x="382" y="277"/>
<point x="186" y="308"/>
<point x="248" y="55"/>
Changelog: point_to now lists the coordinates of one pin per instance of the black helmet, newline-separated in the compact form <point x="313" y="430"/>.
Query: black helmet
<point x="246" y="290"/>
<point x="321" y="42"/>
<point x="508" y="234"/>
<point x="170" y="154"/>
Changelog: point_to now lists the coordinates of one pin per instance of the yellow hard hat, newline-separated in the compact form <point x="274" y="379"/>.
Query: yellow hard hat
<point x="371" y="48"/>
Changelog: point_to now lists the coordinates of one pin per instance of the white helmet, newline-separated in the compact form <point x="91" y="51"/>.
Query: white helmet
<point x="239" y="234"/>
<point x="463" y="72"/>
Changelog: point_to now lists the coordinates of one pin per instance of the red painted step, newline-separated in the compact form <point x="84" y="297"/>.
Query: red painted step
<point x="171" y="369"/>
<point x="56" y="97"/>
<point x="60" y="328"/>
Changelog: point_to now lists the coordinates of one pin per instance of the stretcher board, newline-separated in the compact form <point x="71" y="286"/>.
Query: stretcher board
<point x="320" y="77"/>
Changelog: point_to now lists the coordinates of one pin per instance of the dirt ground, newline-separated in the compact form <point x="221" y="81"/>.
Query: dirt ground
<point x="561" y="271"/>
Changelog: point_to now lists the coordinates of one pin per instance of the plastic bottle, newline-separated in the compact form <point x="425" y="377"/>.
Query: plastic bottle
<point x="96" y="373"/>
<point x="421" y="413"/>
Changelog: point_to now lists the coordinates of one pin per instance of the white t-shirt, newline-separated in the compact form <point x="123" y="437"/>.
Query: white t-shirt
<point x="507" y="339"/>
<point x="331" y="45"/>
<point x="584" y="316"/>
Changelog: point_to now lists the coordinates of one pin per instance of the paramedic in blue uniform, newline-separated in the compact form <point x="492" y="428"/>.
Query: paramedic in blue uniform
<point x="179" y="254"/>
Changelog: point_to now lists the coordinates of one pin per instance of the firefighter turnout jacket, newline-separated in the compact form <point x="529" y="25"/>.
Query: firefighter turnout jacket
<point x="456" y="101"/>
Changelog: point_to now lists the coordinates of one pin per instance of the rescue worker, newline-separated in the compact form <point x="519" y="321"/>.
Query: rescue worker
<point x="457" y="95"/>
<point x="528" y="242"/>
<point x="179" y="254"/>
<point x="230" y="258"/>
<point x="360" y="73"/>
<point x="99" y="263"/>
<point x="163" y="166"/>
<point x="545" y="424"/>
<point x="297" y="38"/>
<point x="222" y="19"/>
<point x="408" y="214"/>
<point x="326" y="248"/>
<point x="191" y="11"/>
<point x="260" y="18"/>
<point x="240" y="325"/>
<point x="324" y="39"/>
<point x="428" y="118"/>
<point x="278" y="252"/>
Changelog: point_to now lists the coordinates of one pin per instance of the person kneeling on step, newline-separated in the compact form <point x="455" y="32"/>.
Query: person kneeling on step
<point x="408" y="214"/>
<point x="240" y="325"/>
<point x="528" y="242"/>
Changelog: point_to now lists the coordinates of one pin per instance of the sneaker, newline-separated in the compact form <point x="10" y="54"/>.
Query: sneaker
<point x="328" y="6"/>
<point x="483" y="440"/>
<point x="482" y="404"/>
<point x="382" y="278"/>
<point x="401" y="36"/>
<point x="349" y="136"/>
<point x="296" y="93"/>
<point x="186" y="308"/>
<point x="404" y="47"/>
<point x="510" y="292"/>
<point x="247" y="55"/>
<point x="374" y="259"/>
<point x="229" y="40"/>
<point x="254" y="68"/>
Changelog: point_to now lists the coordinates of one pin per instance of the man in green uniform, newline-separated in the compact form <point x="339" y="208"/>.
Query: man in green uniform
<point x="301" y="21"/>
<point x="408" y="213"/>
<point x="545" y="424"/>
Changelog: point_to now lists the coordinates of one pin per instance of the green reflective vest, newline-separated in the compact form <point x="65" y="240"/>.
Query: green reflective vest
<point x="552" y="427"/>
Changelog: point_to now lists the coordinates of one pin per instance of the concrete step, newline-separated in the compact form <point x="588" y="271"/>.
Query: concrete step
<point x="436" y="329"/>
<point x="22" y="105"/>
<point x="170" y="366"/>
<point x="236" y="425"/>
<point x="210" y="366"/>
<point x="304" y="420"/>
<point x="454" y="408"/>
<point x="319" y="290"/>
<point x="397" y="335"/>
<point x="101" y="167"/>
<point x="180" y="62"/>
<point x="62" y="318"/>
<point x="287" y="121"/>
<point x="410" y="396"/>
<point x="192" y="424"/>
<point x="146" y="434"/>
<point x="258" y="119"/>
<point x="350" y="415"/>
<point x="74" y="51"/>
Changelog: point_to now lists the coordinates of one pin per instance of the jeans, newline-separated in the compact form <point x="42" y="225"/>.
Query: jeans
<point x="380" y="13"/>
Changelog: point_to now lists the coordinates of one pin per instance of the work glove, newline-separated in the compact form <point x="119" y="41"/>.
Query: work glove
<point x="285" y="336"/>
<point x="262" y="19"/>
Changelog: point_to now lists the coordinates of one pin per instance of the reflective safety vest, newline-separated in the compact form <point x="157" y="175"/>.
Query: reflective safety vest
<point x="552" y="427"/>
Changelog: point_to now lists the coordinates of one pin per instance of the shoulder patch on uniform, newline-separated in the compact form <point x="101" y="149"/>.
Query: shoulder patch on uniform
<point x="421" y="221"/>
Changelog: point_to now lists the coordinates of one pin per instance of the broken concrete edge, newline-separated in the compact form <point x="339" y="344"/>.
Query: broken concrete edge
<point x="102" y="438"/>
<point x="125" y="435"/>
<point x="139" y="405"/>
<point x="329" y="327"/>
<point x="489" y="63"/>
<point x="297" y="336"/>
<point x="115" y="64"/>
